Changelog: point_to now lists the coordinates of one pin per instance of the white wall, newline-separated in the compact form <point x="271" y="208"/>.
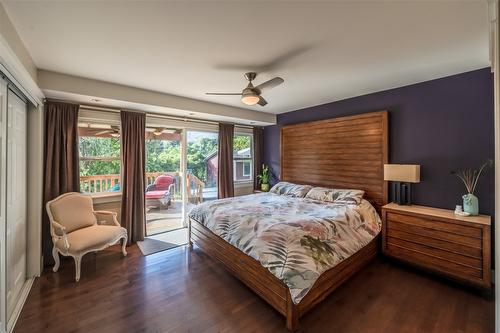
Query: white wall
<point x="495" y="64"/>
<point x="17" y="64"/>
<point x="11" y="38"/>
<point x="35" y="189"/>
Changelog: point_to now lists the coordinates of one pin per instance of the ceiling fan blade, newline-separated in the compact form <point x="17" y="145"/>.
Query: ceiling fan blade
<point x="224" y="94"/>
<point x="262" y="101"/>
<point x="104" y="132"/>
<point x="270" y="83"/>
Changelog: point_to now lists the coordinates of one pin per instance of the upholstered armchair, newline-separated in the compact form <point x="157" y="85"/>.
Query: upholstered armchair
<point x="77" y="229"/>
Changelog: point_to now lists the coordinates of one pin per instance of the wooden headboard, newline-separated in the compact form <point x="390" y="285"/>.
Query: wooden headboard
<point x="345" y="152"/>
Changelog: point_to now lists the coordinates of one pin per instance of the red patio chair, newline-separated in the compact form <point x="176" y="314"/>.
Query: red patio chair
<point x="160" y="192"/>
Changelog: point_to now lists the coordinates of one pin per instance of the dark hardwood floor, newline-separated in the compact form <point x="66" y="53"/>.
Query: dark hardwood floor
<point x="185" y="291"/>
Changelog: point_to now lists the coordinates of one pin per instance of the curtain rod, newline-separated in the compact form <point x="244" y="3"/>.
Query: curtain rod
<point x="150" y="114"/>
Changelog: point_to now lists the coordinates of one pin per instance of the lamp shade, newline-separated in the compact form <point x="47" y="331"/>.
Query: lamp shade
<point x="409" y="173"/>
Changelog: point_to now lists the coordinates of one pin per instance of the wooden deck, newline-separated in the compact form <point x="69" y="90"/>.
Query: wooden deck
<point x="162" y="220"/>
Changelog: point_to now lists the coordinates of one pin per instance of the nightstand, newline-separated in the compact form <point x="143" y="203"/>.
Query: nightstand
<point x="438" y="240"/>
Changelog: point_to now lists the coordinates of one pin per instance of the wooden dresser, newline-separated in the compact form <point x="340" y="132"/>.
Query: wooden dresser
<point x="438" y="240"/>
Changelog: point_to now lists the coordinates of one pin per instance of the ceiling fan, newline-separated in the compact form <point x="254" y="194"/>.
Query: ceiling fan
<point x="251" y="95"/>
<point x="157" y="131"/>
<point x="115" y="132"/>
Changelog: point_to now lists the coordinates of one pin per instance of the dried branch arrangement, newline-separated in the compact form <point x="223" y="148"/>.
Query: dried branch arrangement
<point x="470" y="177"/>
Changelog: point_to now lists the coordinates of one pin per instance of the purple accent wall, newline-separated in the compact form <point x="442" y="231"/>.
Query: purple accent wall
<point x="443" y="125"/>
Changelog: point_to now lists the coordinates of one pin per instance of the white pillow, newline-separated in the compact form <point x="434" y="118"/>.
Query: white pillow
<point x="345" y="196"/>
<point x="290" y="189"/>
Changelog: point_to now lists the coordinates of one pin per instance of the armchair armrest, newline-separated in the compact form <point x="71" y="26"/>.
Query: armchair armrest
<point x="171" y="190"/>
<point x="150" y="187"/>
<point x="59" y="232"/>
<point x="105" y="217"/>
<point x="58" y="226"/>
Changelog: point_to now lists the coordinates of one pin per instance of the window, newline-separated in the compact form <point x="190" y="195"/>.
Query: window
<point x="99" y="146"/>
<point x="242" y="158"/>
<point x="246" y="169"/>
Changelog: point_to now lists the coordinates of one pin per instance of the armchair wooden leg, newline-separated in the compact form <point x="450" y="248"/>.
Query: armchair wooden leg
<point x="55" y="254"/>
<point x="124" y="244"/>
<point x="78" y="265"/>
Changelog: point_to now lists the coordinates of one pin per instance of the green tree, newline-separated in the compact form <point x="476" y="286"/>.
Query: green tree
<point x="162" y="156"/>
<point x="197" y="151"/>
<point x="241" y="142"/>
<point x="101" y="156"/>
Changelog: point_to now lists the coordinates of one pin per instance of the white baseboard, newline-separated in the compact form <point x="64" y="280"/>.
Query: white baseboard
<point x="20" y="303"/>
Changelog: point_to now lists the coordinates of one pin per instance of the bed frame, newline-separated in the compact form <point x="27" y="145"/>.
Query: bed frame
<point x="345" y="152"/>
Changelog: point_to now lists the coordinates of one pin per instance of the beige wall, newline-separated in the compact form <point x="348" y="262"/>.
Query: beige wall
<point x="82" y="90"/>
<point x="9" y="34"/>
<point x="112" y="204"/>
<point x="243" y="189"/>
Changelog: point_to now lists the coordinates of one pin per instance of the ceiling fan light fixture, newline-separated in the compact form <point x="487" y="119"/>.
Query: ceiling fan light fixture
<point x="250" y="99"/>
<point x="251" y="95"/>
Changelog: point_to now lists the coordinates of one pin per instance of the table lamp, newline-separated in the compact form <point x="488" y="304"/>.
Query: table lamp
<point x="402" y="176"/>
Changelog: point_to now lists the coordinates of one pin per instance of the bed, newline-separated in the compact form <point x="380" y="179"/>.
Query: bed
<point x="249" y="234"/>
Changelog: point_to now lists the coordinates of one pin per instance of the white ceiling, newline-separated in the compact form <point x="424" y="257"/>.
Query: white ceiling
<point x="325" y="51"/>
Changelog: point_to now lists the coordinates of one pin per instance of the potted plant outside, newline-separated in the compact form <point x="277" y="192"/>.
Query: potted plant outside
<point x="263" y="178"/>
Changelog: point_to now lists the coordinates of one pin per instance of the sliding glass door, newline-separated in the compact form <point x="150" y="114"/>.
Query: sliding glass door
<point x="202" y="166"/>
<point x="164" y="188"/>
<point x="182" y="171"/>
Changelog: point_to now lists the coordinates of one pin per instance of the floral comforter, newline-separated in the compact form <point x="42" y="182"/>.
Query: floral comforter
<point x="296" y="239"/>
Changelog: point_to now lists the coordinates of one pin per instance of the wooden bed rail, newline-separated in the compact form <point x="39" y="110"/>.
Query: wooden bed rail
<point x="269" y="287"/>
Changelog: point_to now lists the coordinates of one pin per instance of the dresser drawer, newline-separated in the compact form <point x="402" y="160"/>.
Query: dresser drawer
<point x="442" y="265"/>
<point x="446" y="245"/>
<point x="441" y="228"/>
<point x="424" y="249"/>
<point x="451" y="247"/>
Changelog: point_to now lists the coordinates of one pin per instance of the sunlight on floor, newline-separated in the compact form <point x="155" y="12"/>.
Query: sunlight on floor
<point x="179" y="237"/>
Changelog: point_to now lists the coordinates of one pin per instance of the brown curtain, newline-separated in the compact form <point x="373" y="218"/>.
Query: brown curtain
<point x="225" y="183"/>
<point x="133" y="153"/>
<point x="258" y="150"/>
<point x="61" y="161"/>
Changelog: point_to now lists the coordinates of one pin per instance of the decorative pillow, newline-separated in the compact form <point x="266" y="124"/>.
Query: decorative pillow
<point x="293" y="190"/>
<point x="345" y="196"/>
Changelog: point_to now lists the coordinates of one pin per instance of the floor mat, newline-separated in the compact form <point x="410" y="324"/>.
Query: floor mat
<point x="164" y="241"/>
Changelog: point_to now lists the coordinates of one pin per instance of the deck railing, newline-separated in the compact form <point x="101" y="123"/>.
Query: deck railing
<point x="105" y="183"/>
<point x="98" y="183"/>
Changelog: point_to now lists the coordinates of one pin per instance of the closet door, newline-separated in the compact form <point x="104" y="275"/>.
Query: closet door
<point x="3" y="187"/>
<point x="16" y="199"/>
